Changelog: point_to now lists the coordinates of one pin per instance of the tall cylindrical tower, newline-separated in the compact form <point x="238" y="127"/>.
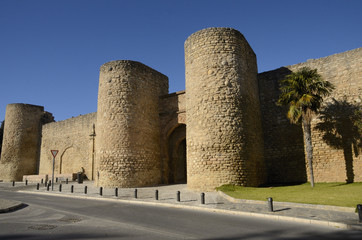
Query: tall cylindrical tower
<point x="128" y="128"/>
<point x="21" y="142"/>
<point x="224" y="133"/>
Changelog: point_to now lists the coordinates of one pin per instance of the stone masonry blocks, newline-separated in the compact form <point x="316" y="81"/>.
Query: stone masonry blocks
<point x="128" y="127"/>
<point x="224" y="136"/>
<point x="128" y="141"/>
<point x="21" y="141"/>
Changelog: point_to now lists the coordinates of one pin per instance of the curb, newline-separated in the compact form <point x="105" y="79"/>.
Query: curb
<point x="289" y="204"/>
<point x="206" y="209"/>
<point x="15" y="206"/>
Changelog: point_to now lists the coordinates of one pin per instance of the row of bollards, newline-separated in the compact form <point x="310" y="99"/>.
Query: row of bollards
<point x="359" y="208"/>
<point x="178" y="195"/>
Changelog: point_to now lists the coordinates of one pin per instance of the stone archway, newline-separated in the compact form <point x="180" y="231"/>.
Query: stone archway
<point x="177" y="155"/>
<point x="70" y="161"/>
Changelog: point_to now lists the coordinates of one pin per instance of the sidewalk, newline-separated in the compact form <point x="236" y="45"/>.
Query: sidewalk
<point x="339" y="217"/>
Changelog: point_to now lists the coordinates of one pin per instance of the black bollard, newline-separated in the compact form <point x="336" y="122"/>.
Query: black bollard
<point x="202" y="198"/>
<point x="85" y="189"/>
<point x="178" y="196"/>
<point x="37" y="186"/>
<point x="72" y="189"/>
<point x="42" y="181"/>
<point x="66" y="181"/>
<point x="156" y="194"/>
<point x="270" y="204"/>
<point x="48" y="186"/>
<point x="60" y="187"/>
<point x="26" y="182"/>
<point x="135" y="193"/>
<point x="101" y="191"/>
<point x="359" y="210"/>
<point x="56" y="179"/>
<point x="116" y="192"/>
<point x="13" y="183"/>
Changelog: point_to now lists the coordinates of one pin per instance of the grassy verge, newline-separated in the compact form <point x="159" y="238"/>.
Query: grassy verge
<point x="336" y="194"/>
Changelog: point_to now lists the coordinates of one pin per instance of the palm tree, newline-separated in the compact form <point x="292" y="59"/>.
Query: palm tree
<point x="303" y="91"/>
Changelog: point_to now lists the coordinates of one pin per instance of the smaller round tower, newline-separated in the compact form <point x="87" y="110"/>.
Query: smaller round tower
<point x="21" y="142"/>
<point x="128" y="124"/>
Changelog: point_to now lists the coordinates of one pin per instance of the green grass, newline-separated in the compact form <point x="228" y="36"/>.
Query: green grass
<point x="336" y="194"/>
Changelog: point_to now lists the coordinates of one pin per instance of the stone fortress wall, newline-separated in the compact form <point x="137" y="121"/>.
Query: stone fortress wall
<point x="284" y="148"/>
<point x="225" y="128"/>
<point x="74" y="139"/>
<point x="173" y="137"/>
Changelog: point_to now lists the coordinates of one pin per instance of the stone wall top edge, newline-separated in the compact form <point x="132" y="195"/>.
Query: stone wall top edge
<point x="129" y="64"/>
<point x="26" y="105"/>
<point x="201" y="34"/>
<point x="173" y="94"/>
<point x="213" y="29"/>
<point x="335" y="55"/>
<point x="73" y="119"/>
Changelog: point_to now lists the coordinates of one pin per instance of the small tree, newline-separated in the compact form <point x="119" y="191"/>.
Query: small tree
<point x="303" y="93"/>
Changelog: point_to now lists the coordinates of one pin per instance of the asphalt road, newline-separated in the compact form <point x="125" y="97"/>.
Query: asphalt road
<point x="49" y="217"/>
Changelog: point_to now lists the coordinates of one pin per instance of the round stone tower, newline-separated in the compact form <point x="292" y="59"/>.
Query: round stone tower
<point x="128" y="127"/>
<point x="224" y="133"/>
<point x="21" y="142"/>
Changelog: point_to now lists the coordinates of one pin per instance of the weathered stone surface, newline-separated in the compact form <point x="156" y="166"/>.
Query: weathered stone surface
<point x="284" y="147"/>
<point x="173" y="132"/>
<point x="228" y="116"/>
<point x="128" y="124"/>
<point x="224" y="135"/>
<point x="74" y="138"/>
<point x="20" y="148"/>
<point x="35" y="178"/>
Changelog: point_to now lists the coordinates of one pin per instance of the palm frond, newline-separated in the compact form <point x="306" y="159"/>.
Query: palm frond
<point x="294" y="113"/>
<point x="303" y="92"/>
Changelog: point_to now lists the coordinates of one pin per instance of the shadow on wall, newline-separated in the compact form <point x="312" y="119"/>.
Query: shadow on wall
<point x="339" y="128"/>
<point x="283" y="141"/>
<point x="177" y="155"/>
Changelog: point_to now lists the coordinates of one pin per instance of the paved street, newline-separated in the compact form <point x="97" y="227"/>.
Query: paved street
<point x="55" y="217"/>
<point x="305" y="213"/>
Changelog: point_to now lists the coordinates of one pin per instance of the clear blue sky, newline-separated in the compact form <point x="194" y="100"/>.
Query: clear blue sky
<point x="51" y="51"/>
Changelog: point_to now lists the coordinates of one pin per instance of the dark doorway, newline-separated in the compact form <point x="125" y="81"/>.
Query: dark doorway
<point x="177" y="155"/>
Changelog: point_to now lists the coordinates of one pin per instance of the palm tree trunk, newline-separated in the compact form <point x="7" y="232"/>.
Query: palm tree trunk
<point x="308" y="147"/>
